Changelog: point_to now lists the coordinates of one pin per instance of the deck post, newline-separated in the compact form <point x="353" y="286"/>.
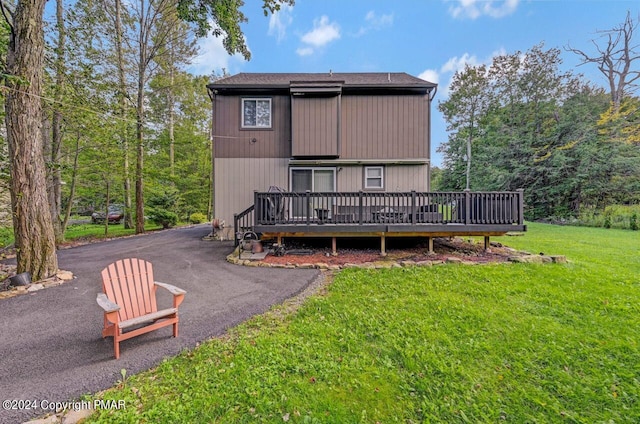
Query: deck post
<point x="258" y="213"/>
<point x="414" y="211"/>
<point x="430" y="244"/>
<point x="520" y="206"/>
<point x="487" y="243"/>
<point x="360" y="207"/>
<point x="467" y="206"/>
<point x="334" y="249"/>
<point x="308" y="207"/>
<point x="383" y="245"/>
<point x="235" y="230"/>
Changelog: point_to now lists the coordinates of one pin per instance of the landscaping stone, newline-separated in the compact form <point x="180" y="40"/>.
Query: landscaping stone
<point x="531" y="259"/>
<point x="470" y="255"/>
<point x="65" y="275"/>
<point x="35" y="287"/>
<point x="51" y="419"/>
<point x="73" y="417"/>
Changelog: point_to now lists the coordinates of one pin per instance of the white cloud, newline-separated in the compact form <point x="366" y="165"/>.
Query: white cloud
<point x="457" y="63"/>
<point x="473" y="9"/>
<point x="323" y="33"/>
<point x="305" y="51"/>
<point x="454" y="65"/>
<point x="213" y="56"/>
<point x="378" y="22"/>
<point x="279" y="21"/>
<point x="375" y="22"/>
<point x="430" y="75"/>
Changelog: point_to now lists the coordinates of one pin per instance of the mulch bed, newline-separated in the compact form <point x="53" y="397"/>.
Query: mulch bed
<point x="444" y="248"/>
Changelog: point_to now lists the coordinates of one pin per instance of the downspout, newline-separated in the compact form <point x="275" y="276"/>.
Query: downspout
<point x="435" y="90"/>
<point x="430" y="95"/>
<point x="212" y="178"/>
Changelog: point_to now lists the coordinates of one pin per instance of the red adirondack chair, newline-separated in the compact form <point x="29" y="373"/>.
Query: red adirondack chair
<point x="129" y="300"/>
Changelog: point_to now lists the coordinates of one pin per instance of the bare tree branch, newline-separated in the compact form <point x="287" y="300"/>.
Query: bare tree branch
<point x="616" y="55"/>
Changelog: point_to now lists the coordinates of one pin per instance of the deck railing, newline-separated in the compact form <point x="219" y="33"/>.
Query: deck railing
<point x="366" y="208"/>
<point x="242" y="222"/>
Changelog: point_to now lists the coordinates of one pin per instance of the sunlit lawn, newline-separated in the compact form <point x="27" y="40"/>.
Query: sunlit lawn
<point x="95" y="231"/>
<point x="519" y="343"/>
<point x="83" y="232"/>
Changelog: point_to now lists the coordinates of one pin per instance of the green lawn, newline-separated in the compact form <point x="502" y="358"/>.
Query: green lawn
<point x="518" y="343"/>
<point x="83" y="232"/>
<point x="95" y="231"/>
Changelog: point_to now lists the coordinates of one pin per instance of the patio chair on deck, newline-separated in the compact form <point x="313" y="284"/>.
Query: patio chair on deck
<point x="129" y="301"/>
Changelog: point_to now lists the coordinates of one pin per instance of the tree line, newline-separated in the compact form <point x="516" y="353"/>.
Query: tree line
<point x="522" y="122"/>
<point x="99" y="109"/>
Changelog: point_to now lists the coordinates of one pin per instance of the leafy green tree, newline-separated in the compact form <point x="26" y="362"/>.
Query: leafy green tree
<point x="466" y="107"/>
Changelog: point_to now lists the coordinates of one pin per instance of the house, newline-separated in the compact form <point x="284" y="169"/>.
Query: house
<point x="330" y="154"/>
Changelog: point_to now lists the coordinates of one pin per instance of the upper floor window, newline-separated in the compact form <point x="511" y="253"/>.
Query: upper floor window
<point x="374" y="177"/>
<point x="256" y="113"/>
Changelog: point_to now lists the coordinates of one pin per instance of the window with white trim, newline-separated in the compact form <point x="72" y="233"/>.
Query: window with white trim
<point x="256" y="113"/>
<point x="374" y="177"/>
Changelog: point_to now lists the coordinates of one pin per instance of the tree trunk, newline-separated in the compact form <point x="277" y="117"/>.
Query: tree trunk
<point x="171" y="105"/>
<point x="106" y="207"/>
<point x="139" y="163"/>
<point x="128" y="220"/>
<point x="55" y="193"/>
<point x="142" y="63"/>
<point x="72" y="188"/>
<point x="172" y="140"/>
<point x="33" y="229"/>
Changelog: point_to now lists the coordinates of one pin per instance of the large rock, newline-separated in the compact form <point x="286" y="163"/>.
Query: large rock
<point x="559" y="259"/>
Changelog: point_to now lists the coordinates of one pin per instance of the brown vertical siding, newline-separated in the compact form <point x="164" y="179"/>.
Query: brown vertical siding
<point x="314" y="122"/>
<point x="237" y="179"/>
<point x="396" y="178"/>
<point x="231" y="141"/>
<point x="384" y="127"/>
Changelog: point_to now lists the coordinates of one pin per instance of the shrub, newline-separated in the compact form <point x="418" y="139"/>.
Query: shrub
<point x="6" y="236"/>
<point x="163" y="217"/>
<point x="613" y="216"/>
<point x="633" y="222"/>
<point x="197" y="218"/>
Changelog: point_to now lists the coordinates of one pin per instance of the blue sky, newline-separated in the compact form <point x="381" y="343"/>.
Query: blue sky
<point x="430" y="39"/>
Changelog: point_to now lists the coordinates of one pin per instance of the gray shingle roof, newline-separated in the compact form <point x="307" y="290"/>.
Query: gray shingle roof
<point x="370" y="79"/>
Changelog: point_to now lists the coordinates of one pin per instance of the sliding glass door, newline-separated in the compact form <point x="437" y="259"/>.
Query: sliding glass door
<point x="312" y="179"/>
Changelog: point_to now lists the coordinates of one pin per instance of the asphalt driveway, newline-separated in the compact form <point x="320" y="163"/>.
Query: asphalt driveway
<point x="50" y="341"/>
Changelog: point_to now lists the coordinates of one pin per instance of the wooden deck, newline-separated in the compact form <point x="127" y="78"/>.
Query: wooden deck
<point x="383" y="214"/>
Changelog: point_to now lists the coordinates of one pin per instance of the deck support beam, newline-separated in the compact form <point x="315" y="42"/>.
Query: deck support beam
<point x="487" y="243"/>
<point x="334" y="249"/>
<point x="430" y="244"/>
<point x="383" y="245"/>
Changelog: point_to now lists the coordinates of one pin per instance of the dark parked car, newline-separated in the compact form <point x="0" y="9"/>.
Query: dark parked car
<point x="116" y="213"/>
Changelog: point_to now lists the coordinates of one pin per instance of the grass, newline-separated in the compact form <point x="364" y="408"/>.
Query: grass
<point x="93" y="231"/>
<point x="508" y="342"/>
<point x="83" y="232"/>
